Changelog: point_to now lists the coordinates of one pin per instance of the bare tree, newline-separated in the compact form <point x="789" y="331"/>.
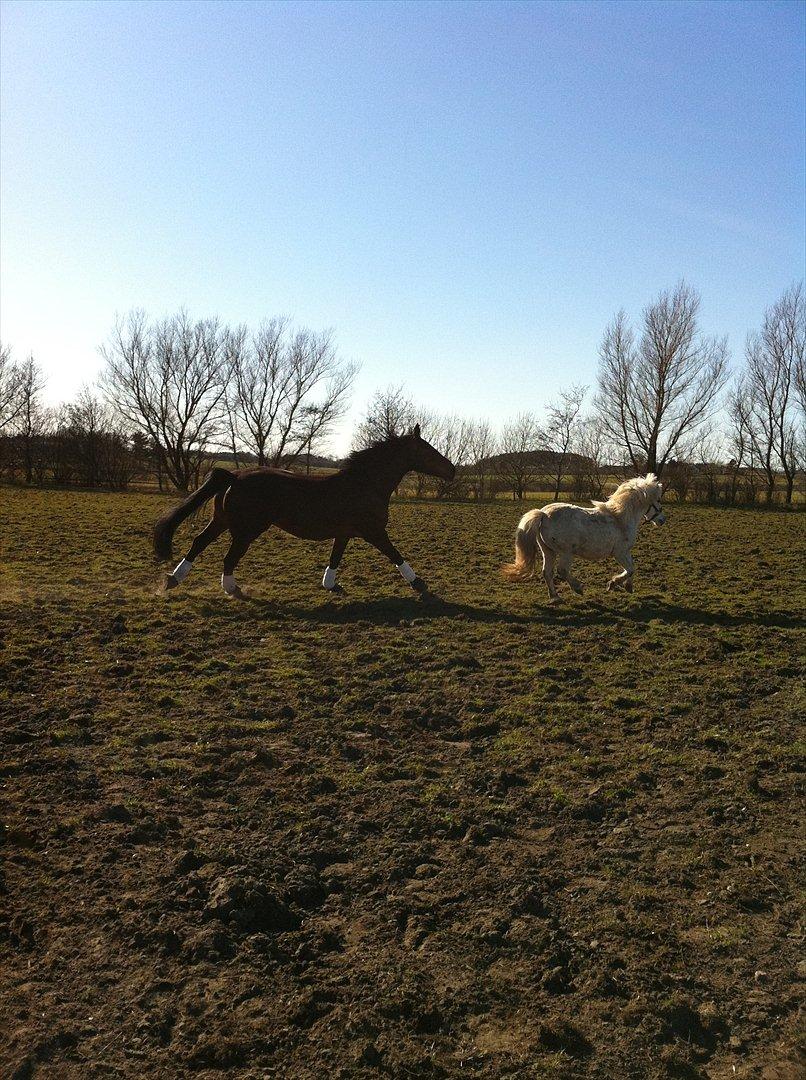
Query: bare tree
<point x="588" y="468"/>
<point x="516" y="461"/>
<point x="452" y="436"/>
<point x="167" y="380"/>
<point x="10" y="388"/>
<point x="390" y="412"/>
<point x="708" y="470"/>
<point x="480" y="450"/>
<point x="655" y="394"/>
<point x="775" y="359"/>
<point x="559" y="431"/>
<point x="32" y="418"/>
<point x="741" y="444"/>
<point x="88" y="422"/>
<point x="287" y="391"/>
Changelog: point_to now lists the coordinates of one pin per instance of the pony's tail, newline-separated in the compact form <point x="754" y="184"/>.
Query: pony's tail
<point x="526" y="542"/>
<point x="218" y="480"/>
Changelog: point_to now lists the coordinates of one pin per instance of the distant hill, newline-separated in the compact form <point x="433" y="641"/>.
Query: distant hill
<point x="540" y="460"/>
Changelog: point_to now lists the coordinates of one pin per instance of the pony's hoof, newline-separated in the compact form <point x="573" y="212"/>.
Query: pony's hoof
<point x="337" y="590"/>
<point x="170" y="582"/>
<point x="236" y="594"/>
<point x="419" y="586"/>
<point x="628" y="586"/>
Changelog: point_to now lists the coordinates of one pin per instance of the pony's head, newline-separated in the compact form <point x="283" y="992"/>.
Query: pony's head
<point x="642" y="493"/>
<point x="425" y="458"/>
<point x="653" y="489"/>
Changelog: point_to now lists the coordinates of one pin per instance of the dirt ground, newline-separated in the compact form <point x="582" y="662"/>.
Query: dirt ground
<point x="299" y="836"/>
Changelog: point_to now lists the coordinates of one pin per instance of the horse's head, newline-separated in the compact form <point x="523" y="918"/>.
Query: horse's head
<point x="425" y="458"/>
<point x="654" y="494"/>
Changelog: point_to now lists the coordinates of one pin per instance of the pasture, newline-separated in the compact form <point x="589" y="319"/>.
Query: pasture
<point x="306" y="836"/>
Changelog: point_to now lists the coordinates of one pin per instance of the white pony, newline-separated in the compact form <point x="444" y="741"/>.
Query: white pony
<point x="564" y="532"/>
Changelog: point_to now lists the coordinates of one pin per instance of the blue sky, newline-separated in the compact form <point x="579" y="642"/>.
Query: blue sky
<point x="465" y="193"/>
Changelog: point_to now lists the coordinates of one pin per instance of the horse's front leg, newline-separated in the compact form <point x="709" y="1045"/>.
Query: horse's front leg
<point x="625" y="579"/>
<point x="381" y="541"/>
<point x="329" y="580"/>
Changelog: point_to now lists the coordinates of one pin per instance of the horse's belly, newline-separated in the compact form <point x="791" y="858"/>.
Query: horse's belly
<point x="306" y="530"/>
<point x="592" y="554"/>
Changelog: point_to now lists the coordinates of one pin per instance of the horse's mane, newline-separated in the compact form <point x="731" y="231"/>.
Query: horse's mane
<point x="639" y="490"/>
<point x="377" y="454"/>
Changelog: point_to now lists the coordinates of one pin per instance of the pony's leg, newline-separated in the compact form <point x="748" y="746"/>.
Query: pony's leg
<point x="329" y="580"/>
<point x="237" y="550"/>
<point x="563" y="573"/>
<point x="382" y="542"/>
<point x="548" y="572"/>
<point x="209" y="533"/>
<point x="625" y="579"/>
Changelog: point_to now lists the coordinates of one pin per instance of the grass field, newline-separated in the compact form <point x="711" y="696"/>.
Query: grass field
<point x="300" y="836"/>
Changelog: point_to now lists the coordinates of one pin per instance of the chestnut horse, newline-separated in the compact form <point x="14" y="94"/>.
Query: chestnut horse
<point x="353" y="502"/>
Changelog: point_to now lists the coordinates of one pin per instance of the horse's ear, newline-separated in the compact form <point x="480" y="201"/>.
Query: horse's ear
<point x="416" y="431"/>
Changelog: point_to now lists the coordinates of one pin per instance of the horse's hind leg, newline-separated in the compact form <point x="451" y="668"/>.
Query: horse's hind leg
<point x="564" y="573"/>
<point x="209" y="533"/>
<point x="237" y="550"/>
<point x="549" y="559"/>
<point x="381" y="541"/>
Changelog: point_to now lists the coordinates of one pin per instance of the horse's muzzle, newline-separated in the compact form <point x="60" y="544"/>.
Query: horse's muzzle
<point x="443" y="470"/>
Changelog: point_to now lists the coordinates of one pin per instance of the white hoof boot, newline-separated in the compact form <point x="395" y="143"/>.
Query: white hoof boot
<point x="229" y="585"/>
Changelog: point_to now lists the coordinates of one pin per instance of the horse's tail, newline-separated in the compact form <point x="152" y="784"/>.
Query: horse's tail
<point x="218" y="480"/>
<point x="526" y="545"/>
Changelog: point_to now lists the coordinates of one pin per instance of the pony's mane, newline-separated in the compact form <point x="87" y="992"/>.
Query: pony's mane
<point x="638" y="490"/>
<point x="379" y="452"/>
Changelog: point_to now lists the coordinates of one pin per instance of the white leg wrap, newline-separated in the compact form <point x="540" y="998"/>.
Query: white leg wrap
<point x="182" y="570"/>
<point x="406" y="572"/>
<point x="329" y="580"/>
<point x="228" y="584"/>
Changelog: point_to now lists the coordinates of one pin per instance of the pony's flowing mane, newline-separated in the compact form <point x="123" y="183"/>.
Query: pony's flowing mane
<point x="639" y="490"/>
<point x="377" y="454"/>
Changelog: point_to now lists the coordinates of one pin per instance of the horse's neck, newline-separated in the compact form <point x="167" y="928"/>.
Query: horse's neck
<point x="390" y="476"/>
<point x="629" y="520"/>
<point x="386" y="476"/>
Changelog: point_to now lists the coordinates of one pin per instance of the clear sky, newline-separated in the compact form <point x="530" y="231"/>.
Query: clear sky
<point x="465" y="193"/>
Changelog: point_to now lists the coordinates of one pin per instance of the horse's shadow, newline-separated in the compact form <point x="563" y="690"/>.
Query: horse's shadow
<point x="386" y="611"/>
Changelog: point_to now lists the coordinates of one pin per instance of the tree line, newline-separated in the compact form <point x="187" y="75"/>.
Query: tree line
<point x="176" y="393"/>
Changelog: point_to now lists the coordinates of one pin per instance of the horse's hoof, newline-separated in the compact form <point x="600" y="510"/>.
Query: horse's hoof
<point x="337" y="590"/>
<point x="170" y="582"/>
<point x="236" y="594"/>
